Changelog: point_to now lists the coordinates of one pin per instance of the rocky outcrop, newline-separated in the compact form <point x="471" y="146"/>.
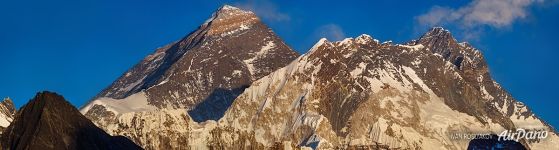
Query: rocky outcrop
<point x="7" y="112"/>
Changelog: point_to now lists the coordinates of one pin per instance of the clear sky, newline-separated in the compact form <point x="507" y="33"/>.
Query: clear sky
<point x="78" y="47"/>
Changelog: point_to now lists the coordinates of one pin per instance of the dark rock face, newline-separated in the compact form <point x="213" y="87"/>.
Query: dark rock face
<point x="50" y="122"/>
<point x="476" y="93"/>
<point x="216" y="104"/>
<point x="441" y="41"/>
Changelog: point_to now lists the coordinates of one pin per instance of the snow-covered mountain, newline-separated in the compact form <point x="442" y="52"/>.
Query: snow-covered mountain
<point x="355" y="93"/>
<point x="360" y="93"/>
<point x="7" y="112"/>
<point x="202" y="73"/>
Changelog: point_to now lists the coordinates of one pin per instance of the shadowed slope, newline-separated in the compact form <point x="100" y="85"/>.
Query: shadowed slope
<point x="50" y="122"/>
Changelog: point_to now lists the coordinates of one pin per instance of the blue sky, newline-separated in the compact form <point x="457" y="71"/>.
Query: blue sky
<point x="77" y="48"/>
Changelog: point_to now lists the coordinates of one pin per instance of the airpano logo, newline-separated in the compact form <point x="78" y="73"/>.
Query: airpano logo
<point x="508" y="135"/>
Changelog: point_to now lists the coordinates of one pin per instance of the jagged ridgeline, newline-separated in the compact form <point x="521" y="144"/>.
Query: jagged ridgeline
<point x="361" y="93"/>
<point x="233" y="84"/>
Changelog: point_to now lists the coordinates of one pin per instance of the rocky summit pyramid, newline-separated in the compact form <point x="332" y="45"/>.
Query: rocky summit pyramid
<point x="50" y="122"/>
<point x="7" y="112"/>
<point x="192" y="80"/>
<point x="203" y="72"/>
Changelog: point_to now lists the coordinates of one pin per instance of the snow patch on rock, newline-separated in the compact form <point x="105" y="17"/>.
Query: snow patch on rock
<point x="133" y="103"/>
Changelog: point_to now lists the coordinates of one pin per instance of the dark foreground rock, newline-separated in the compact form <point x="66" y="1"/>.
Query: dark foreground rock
<point x="48" y="121"/>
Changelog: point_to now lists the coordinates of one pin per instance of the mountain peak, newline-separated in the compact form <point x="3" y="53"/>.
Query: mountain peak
<point x="8" y="103"/>
<point x="7" y="112"/>
<point x="228" y="18"/>
<point x="8" y="99"/>
<point x="365" y="39"/>
<point x="439" y="29"/>
<point x="42" y="96"/>
<point x="362" y="39"/>
<point x="440" y="41"/>
<point x="48" y="115"/>
<point x="228" y="7"/>
<point x="212" y="64"/>
<point x="320" y="42"/>
<point x="437" y="33"/>
<point x="232" y="9"/>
